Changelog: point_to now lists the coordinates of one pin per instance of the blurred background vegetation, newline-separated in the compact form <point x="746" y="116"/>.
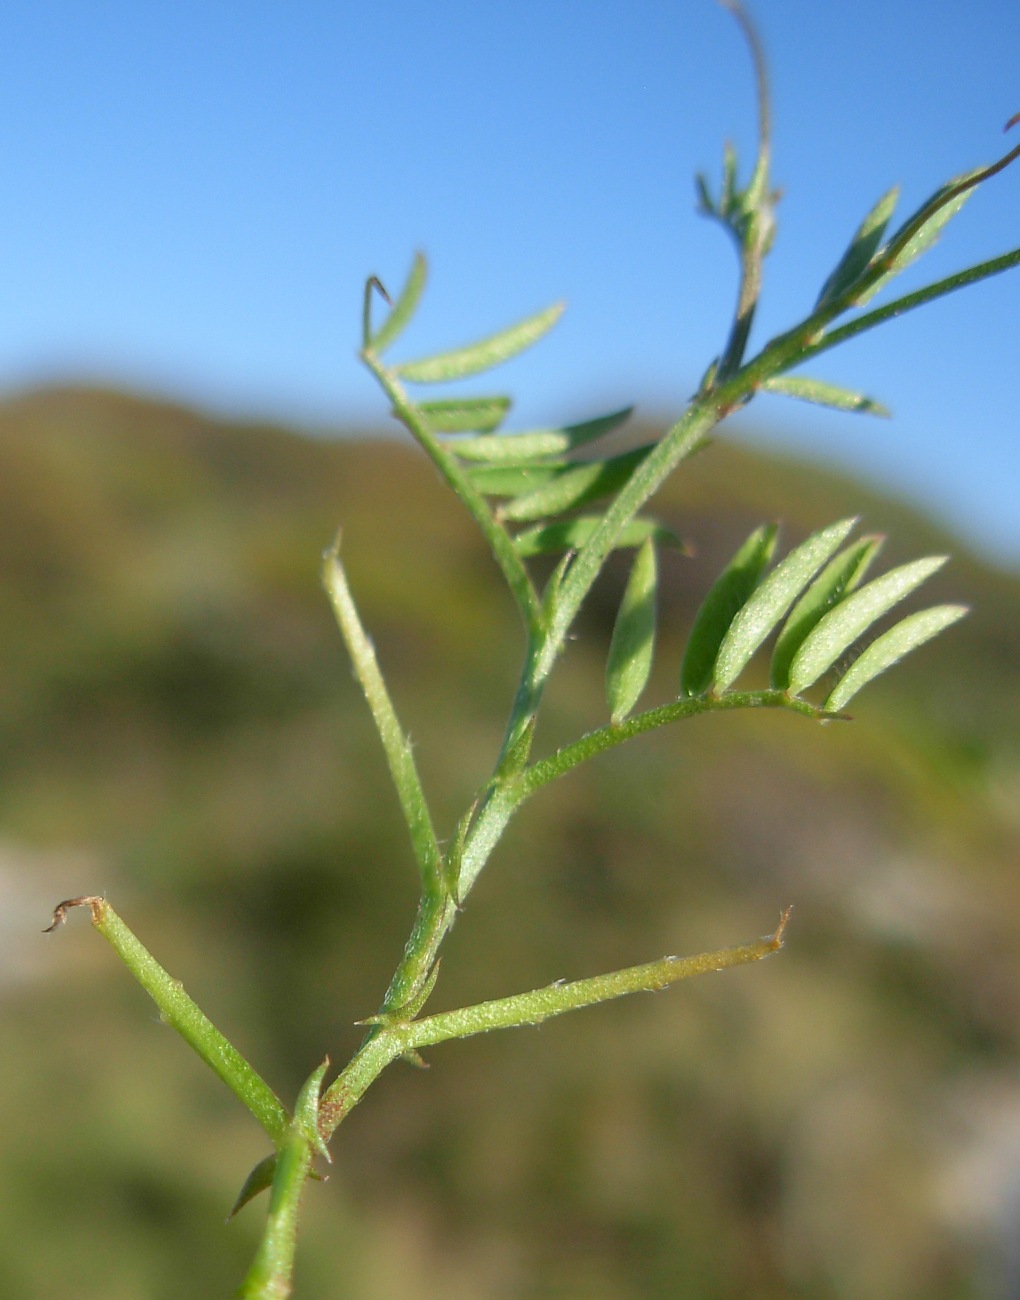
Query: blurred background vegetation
<point x="180" y="730"/>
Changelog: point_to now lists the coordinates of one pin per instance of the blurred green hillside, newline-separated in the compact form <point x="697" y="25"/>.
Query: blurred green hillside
<point x="179" y="729"/>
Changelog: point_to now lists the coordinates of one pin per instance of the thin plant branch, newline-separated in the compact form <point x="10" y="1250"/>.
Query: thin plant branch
<point x="396" y="745"/>
<point x="178" y="1011"/>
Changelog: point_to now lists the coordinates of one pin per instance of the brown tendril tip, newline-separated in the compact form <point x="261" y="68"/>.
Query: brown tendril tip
<point x="777" y="937"/>
<point x="375" y="283"/>
<point x="94" y="901"/>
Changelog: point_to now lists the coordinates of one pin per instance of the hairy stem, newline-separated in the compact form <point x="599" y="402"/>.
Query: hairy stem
<point x="603" y="738"/>
<point x="554" y="999"/>
<point x="510" y="563"/>
<point x="181" y="1013"/>
<point x="757" y="230"/>
<point x="396" y="745"/>
<point x="909" y="301"/>
<point x="269" y="1277"/>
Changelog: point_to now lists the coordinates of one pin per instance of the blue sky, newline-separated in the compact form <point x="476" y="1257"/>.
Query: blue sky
<point x="196" y="191"/>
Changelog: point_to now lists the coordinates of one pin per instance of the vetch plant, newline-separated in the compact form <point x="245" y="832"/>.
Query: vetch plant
<point x="549" y="493"/>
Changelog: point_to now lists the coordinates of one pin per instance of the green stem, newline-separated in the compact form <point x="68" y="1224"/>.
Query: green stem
<point x="759" y="225"/>
<point x="504" y="800"/>
<point x="492" y="808"/>
<point x="180" y="1012"/>
<point x="867" y="321"/>
<point x="554" y="999"/>
<point x="378" y="1050"/>
<point x="388" y="1041"/>
<point x="269" y="1277"/>
<point x="677" y="443"/>
<point x="397" y="747"/>
<point x="603" y="738"/>
<point x="435" y="916"/>
<point x="500" y="543"/>
<point x="890" y="254"/>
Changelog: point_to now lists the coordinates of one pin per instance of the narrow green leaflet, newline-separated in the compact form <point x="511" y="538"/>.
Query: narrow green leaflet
<point x="841" y="627"/>
<point x="465" y="414"/>
<point x="633" y="643"/>
<point x="403" y="309"/>
<point x="891" y="646"/>
<point x="537" y="443"/>
<point x="770" y="601"/>
<point x="728" y="193"/>
<point x="706" y="204"/>
<point x="576" y="486"/>
<point x="729" y="592"/>
<point x="823" y="394"/>
<point x="484" y="354"/>
<point x="728" y="189"/>
<point x="843" y="574"/>
<point x="514" y="480"/>
<point x="940" y="210"/>
<point x="861" y="250"/>
<point x="571" y="535"/>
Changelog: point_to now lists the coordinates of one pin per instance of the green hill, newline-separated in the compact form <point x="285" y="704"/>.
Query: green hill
<point x="179" y="729"/>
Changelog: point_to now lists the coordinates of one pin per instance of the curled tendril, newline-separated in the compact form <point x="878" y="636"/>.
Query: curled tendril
<point x="93" y="901"/>
<point x="760" y="77"/>
<point x="373" y="282"/>
<point x="994" y="168"/>
<point x="947" y="195"/>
